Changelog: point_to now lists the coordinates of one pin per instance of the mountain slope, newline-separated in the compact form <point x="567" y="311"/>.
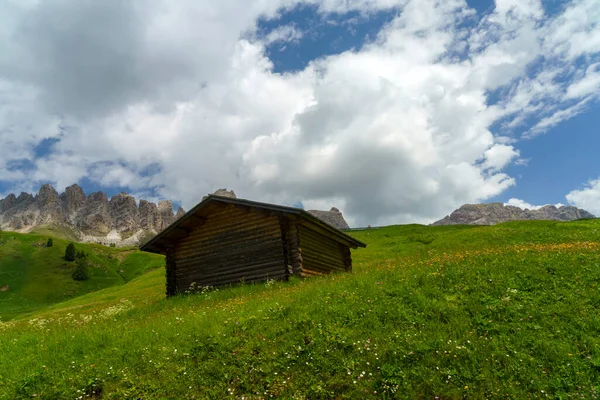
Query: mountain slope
<point x="33" y="276"/>
<point x="495" y="213"/>
<point x="506" y="311"/>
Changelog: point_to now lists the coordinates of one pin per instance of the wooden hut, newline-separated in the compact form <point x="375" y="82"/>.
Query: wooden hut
<point x="225" y="240"/>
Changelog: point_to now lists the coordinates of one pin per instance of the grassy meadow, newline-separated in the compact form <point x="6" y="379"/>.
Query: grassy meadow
<point x="33" y="276"/>
<point x="510" y="311"/>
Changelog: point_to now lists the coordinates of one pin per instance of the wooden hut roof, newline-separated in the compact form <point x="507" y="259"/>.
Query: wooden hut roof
<point x="197" y="215"/>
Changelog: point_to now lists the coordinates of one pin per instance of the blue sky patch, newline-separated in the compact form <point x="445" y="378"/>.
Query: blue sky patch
<point x="322" y="35"/>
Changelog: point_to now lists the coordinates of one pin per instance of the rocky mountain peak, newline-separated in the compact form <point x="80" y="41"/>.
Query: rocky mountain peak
<point x="48" y="204"/>
<point x="94" y="216"/>
<point x="72" y="200"/>
<point x="47" y="190"/>
<point x="7" y="202"/>
<point x="25" y="198"/>
<point x="148" y="215"/>
<point x="98" y="197"/>
<point x="225" y="193"/>
<point x="333" y="217"/>
<point x="165" y="213"/>
<point x="165" y="206"/>
<point x="124" y="213"/>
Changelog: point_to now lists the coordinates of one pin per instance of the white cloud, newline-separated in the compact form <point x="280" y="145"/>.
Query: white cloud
<point x="526" y="206"/>
<point x="587" y="197"/>
<point x="285" y="34"/>
<point x="499" y="156"/>
<point x="589" y="84"/>
<point x="518" y="9"/>
<point x="557" y="117"/>
<point x="182" y="98"/>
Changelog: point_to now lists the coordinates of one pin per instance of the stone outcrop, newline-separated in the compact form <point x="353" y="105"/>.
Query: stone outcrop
<point x="165" y="214"/>
<point x="333" y="217"/>
<point x="223" y="193"/>
<point x="124" y="213"/>
<point x="494" y="213"/>
<point x="92" y="218"/>
<point x="8" y="202"/>
<point x="72" y="201"/>
<point x="148" y="215"/>
<point x="47" y="206"/>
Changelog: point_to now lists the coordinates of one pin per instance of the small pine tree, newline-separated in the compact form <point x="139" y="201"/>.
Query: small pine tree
<point x="70" y="252"/>
<point x="81" y="254"/>
<point x="50" y="243"/>
<point x="81" y="272"/>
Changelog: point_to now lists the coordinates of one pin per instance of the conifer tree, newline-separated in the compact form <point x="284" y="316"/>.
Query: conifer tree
<point x="70" y="252"/>
<point x="81" y="272"/>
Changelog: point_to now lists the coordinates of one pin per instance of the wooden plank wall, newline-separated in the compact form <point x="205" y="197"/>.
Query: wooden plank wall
<point x="171" y="273"/>
<point x="321" y="254"/>
<point x="290" y="232"/>
<point x="235" y="244"/>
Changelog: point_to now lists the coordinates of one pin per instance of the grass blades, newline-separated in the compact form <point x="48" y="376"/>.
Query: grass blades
<point x="510" y="311"/>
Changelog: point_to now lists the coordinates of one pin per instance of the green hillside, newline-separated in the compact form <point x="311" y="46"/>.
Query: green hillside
<point x="33" y="276"/>
<point x="511" y="311"/>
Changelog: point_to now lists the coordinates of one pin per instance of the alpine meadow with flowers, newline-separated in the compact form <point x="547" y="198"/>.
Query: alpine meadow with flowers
<point x="505" y="311"/>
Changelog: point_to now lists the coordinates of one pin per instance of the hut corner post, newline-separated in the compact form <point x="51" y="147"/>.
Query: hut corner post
<point x="347" y="255"/>
<point x="171" y="273"/>
<point x="294" y="254"/>
<point x="284" y="227"/>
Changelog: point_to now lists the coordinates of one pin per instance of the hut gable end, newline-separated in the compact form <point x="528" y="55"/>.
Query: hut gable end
<point x="320" y="254"/>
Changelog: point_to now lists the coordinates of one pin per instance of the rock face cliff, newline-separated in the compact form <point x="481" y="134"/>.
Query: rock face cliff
<point x="494" y="213"/>
<point x="333" y="217"/>
<point x="92" y="218"/>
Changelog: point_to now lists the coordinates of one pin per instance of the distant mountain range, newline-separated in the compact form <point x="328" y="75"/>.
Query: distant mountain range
<point x="92" y="218"/>
<point x="95" y="218"/>
<point x="494" y="213"/>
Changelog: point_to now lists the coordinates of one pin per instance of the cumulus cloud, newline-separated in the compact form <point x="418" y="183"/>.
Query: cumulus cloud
<point x="181" y="98"/>
<point x="499" y="156"/>
<point x="522" y="204"/>
<point x="587" y="197"/>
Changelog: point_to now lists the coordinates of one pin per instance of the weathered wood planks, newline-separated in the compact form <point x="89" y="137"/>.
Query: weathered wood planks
<point x="235" y="244"/>
<point x="223" y="241"/>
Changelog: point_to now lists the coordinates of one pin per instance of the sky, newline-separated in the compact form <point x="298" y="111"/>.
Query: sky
<point x="393" y="111"/>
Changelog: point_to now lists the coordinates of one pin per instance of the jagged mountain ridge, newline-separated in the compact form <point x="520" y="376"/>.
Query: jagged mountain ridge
<point x="92" y="218"/>
<point x="96" y="218"/>
<point x="495" y="213"/>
